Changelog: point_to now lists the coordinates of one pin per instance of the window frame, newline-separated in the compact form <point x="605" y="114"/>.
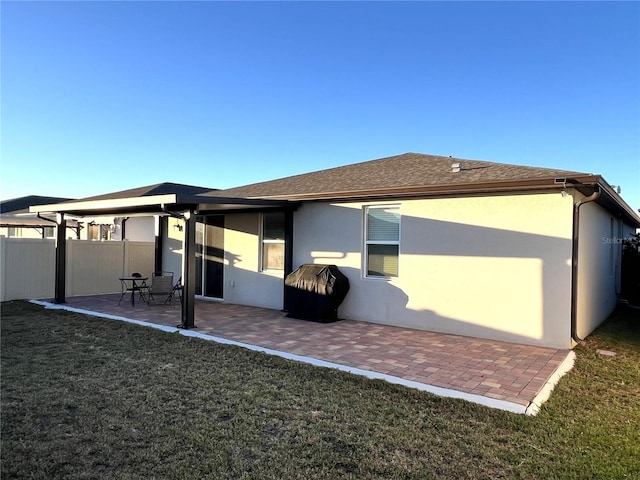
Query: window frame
<point x="263" y="241"/>
<point x="366" y="242"/>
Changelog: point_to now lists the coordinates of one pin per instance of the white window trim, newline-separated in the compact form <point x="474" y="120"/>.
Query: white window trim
<point x="262" y="241"/>
<point x="366" y="243"/>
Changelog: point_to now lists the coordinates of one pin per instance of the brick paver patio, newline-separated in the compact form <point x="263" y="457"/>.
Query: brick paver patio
<point x="497" y="370"/>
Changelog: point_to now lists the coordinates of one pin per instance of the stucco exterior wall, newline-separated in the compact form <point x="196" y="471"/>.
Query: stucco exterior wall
<point x="245" y="283"/>
<point x="139" y="229"/>
<point x="493" y="267"/>
<point x="172" y="247"/>
<point x="599" y="262"/>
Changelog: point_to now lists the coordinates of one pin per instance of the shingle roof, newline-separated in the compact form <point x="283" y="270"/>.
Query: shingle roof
<point x="22" y="204"/>
<point x="150" y="190"/>
<point x="400" y="171"/>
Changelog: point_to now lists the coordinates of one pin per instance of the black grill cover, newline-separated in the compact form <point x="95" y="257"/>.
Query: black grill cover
<point x="314" y="292"/>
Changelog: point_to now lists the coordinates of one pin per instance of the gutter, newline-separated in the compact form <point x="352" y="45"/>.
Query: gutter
<point x="45" y="219"/>
<point x="574" y="262"/>
<point x="76" y="228"/>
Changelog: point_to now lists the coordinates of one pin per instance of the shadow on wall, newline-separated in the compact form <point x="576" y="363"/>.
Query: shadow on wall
<point x="461" y="278"/>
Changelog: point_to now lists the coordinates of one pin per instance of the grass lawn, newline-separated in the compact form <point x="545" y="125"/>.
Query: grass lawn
<point x="84" y="397"/>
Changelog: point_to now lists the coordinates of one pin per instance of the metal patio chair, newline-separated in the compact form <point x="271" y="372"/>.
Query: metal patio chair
<point x="161" y="287"/>
<point x="176" y="290"/>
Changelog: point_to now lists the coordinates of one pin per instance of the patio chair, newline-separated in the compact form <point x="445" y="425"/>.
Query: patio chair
<point x="160" y="289"/>
<point x="176" y="290"/>
<point x="133" y="287"/>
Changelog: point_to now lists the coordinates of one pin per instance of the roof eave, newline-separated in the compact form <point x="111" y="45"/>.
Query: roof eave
<point x="579" y="182"/>
<point x="612" y="201"/>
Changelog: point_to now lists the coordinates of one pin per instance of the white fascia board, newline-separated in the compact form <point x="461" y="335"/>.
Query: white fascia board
<point x="106" y="204"/>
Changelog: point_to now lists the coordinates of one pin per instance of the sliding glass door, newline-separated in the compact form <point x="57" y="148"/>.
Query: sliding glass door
<point x="210" y="256"/>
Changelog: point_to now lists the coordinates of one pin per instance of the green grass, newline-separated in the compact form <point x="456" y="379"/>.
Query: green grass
<point x="84" y="397"/>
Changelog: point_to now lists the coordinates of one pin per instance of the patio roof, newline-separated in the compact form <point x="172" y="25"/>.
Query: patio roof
<point x="165" y="204"/>
<point x="177" y="204"/>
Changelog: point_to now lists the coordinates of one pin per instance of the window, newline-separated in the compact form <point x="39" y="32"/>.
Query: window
<point x="15" y="231"/>
<point x="99" y="232"/>
<point x="382" y="241"/>
<point x="49" y="232"/>
<point x="273" y="241"/>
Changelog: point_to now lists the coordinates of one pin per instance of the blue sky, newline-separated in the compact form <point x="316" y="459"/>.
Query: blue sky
<point x="103" y="96"/>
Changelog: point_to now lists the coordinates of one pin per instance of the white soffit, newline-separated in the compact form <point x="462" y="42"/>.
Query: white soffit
<point x="113" y="203"/>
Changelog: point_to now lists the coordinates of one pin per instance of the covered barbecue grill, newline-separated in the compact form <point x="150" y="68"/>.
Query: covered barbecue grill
<point x="314" y="292"/>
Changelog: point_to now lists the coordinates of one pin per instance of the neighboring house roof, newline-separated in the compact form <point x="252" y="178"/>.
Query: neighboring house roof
<point x="156" y="199"/>
<point x="151" y="190"/>
<point x="406" y="171"/>
<point x="22" y="204"/>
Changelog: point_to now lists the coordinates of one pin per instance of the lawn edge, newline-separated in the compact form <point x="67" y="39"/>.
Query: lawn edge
<point x="439" y="391"/>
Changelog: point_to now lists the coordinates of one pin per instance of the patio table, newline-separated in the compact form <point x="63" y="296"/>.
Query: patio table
<point x="138" y="284"/>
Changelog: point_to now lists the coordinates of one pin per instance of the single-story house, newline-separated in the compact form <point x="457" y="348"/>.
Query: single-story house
<point x="476" y="248"/>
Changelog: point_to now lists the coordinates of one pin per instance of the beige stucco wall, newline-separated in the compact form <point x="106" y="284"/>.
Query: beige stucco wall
<point x="494" y="267"/>
<point x="172" y="247"/>
<point x="137" y="229"/>
<point x="599" y="257"/>
<point x="486" y="266"/>
<point x="244" y="283"/>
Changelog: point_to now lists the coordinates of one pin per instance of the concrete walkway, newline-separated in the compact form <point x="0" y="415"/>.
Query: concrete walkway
<point x="513" y="377"/>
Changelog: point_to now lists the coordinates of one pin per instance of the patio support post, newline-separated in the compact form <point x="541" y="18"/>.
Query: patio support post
<point x="189" y="273"/>
<point x="61" y="258"/>
<point x="288" y="250"/>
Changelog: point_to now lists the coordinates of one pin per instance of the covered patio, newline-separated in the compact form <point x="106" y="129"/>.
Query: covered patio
<point x="508" y="376"/>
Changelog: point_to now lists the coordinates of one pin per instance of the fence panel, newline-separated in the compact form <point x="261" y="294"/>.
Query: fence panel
<point x="28" y="268"/>
<point x="93" y="267"/>
<point x="139" y="257"/>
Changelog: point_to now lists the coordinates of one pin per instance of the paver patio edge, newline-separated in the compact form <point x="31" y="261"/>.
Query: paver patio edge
<point x="545" y="392"/>
<point x="443" y="392"/>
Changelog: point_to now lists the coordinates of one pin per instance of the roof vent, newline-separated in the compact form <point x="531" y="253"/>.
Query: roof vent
<point x="455" y="167"/>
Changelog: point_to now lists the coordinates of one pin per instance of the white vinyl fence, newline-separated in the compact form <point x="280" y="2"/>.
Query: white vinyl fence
<point x="27" y="267"/>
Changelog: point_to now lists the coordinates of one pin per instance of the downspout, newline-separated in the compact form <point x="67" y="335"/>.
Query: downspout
<point x="46" y="220"/>
<point x="574" y="262"/>
<point x="123" y="230"/>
